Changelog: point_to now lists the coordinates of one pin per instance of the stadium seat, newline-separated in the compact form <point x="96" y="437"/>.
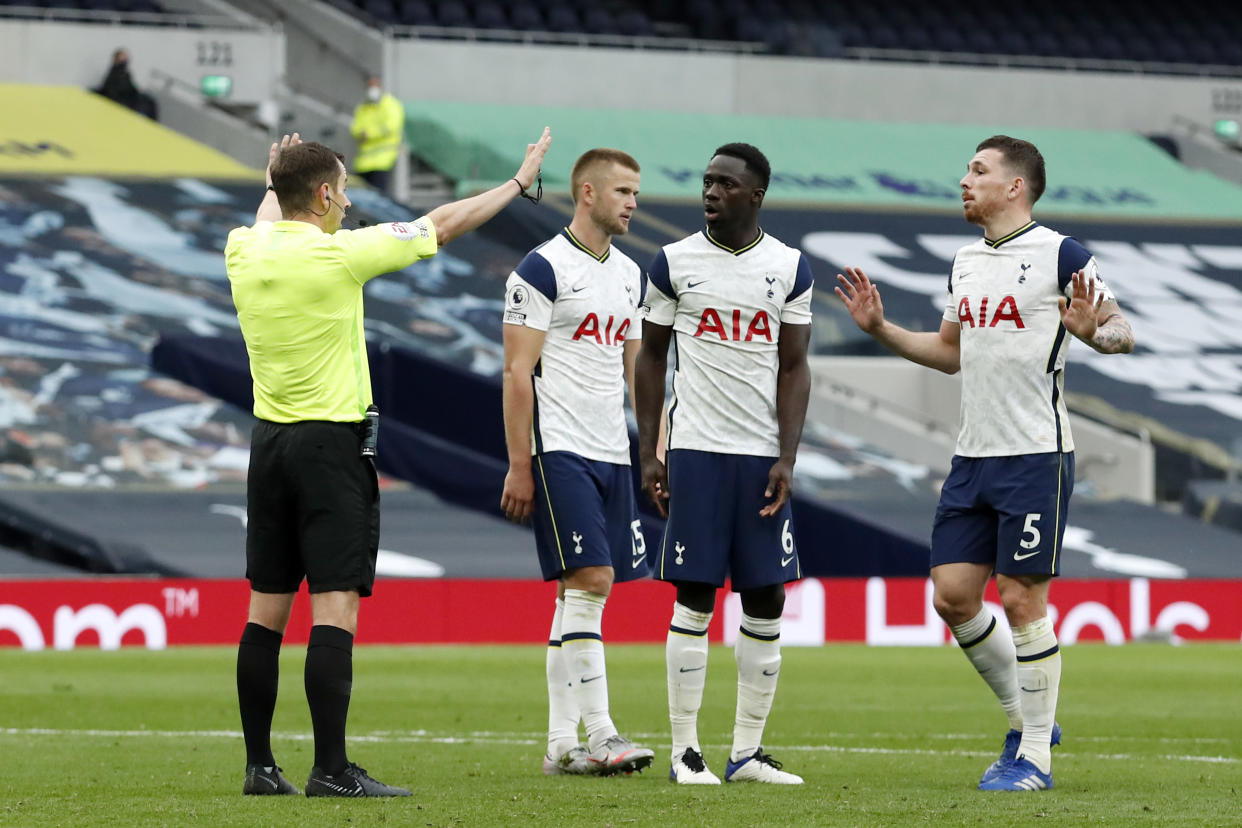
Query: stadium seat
<point x="415" y="13"/>
<point x="598" y="20"/>
<point x="882" y="36"/>
<point x="915" y="37"/>
<point x="526" y="17"/>
<point x="948" y="39"/>
<point x="381" y="10"/>
<point x="562" y="18"/>
<point x="634" y="23"/>
<point x="490" y="15"/>
<point x="452" y="13"/>
<point x="1012" y="42"/>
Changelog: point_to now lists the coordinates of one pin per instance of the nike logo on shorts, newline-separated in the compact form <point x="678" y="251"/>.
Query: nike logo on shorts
<point x="637" y="561"/>
<point x="785" y="561"/>
<point x="1018" y="557"/>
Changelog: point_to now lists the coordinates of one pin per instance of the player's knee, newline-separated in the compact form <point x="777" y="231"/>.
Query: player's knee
<point x="596" y="579"/>
<point x="955" y="607"/>
<point x="765" y="602"/>
<point x="696" y="596"/>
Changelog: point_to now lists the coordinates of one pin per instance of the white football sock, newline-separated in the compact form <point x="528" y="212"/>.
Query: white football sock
<point x="563" y="712"/>
<point x="582" y="647"/>
<point x="758" y="655"/>
<point x="994" y="657"/>
<point x="685" y="656"/>
<point x="1039" y="680"/>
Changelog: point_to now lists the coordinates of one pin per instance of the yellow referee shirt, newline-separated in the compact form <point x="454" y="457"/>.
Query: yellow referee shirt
<point x="298" y="293"/>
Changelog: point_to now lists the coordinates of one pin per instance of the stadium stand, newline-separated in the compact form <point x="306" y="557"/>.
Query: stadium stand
<point x="1062" y="35"/>
<point x="151" y="249"/>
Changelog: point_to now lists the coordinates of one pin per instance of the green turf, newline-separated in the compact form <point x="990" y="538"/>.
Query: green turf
<point x="883" y="736"/>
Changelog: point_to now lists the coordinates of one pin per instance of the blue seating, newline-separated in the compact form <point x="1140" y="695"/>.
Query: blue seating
<point x="490" y="15"/>
<point x="633" y="23"/>
<point x="415" y="13"/>
<point x="563" y="18"/>
<point x="381" y="10"/>
<point x="1109" y="30"/>
<point x="452" y="13"/>
<point x="526" y="17"/>
<point x="598" y="20"/>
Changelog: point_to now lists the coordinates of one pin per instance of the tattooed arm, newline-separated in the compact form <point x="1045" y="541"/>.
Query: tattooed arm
<point x="1112" y="333"/>
<point x="1103" y="327"/>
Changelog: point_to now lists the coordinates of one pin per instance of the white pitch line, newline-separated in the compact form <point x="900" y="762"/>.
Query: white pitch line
<point x="498" y="738"/>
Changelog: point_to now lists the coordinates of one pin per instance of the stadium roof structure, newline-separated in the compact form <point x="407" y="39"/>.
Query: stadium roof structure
<point x="1093" y="173"/>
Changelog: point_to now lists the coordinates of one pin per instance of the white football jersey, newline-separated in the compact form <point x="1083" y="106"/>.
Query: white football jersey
<point x="726" y="308"/>
<point x="589" y="306"/>
<point x="1004" y="294"/>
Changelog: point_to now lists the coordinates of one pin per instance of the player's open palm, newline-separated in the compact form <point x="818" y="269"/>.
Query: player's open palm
<point x="1078" y="314"/>
<point x="861" y="298"/>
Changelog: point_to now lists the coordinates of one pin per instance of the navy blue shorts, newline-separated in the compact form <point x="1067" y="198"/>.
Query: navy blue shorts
<point x="585" y="516"/>
<point x="1005" y="511"/>
<point x="714" y="530"/>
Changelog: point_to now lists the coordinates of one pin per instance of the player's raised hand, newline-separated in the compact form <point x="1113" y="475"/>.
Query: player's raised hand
<point x="285" y="142"/>
<point x="534" y="159"/>
<point x="861" y="298"/>
<point x="1078" y="314"/>
<point x="655" y="484"/>
<point x="780" y="486"/>
<point x="517" y="500"/>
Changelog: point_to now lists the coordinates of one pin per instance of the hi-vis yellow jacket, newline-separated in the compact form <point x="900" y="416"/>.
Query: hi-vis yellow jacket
<point x="378" y="128"/>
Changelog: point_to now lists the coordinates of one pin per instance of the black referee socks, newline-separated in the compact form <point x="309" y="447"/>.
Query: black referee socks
<point x="329" y="680"/>
<point x="258" y="675"/>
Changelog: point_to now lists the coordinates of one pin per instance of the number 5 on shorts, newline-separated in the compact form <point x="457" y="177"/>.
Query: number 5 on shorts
<point x="1029" y="529"/>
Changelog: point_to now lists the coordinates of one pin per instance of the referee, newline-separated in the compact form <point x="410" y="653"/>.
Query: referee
<point x="313" y="498"/>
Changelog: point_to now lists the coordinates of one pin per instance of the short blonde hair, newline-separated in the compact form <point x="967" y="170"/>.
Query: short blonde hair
<point x="592" y="159"/>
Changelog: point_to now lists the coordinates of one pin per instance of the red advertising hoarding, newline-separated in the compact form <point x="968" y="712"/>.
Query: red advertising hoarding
<point x="156" y="613"/>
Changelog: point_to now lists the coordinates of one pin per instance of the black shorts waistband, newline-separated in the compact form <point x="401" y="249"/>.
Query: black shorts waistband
<point x="356" y="427"/>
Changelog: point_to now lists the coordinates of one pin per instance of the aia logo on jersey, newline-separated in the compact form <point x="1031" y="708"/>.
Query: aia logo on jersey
<point x="759" y="327"/>
<point x="589" y="327"/>
<point x="1006" y="311"/>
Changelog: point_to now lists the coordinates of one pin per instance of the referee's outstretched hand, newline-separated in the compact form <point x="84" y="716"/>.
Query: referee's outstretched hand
<point x="534" y="159"/>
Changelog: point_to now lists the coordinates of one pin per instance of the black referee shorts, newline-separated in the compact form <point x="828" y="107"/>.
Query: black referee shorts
<point x="312" y="507"/>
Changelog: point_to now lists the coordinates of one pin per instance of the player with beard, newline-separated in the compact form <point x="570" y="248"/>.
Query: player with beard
<point x="571" y="333"/>
<point x="739" y="303"/>
<point x="1013" y="296"/>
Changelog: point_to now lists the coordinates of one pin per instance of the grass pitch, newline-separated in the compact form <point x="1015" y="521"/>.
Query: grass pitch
<point x="883" y="736"/>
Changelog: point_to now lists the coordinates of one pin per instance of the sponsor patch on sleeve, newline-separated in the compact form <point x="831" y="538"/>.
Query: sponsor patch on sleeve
<point x="407" y="230"/>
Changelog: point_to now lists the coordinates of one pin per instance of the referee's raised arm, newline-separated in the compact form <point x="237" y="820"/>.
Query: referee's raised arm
<point x="460" y="217"/>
